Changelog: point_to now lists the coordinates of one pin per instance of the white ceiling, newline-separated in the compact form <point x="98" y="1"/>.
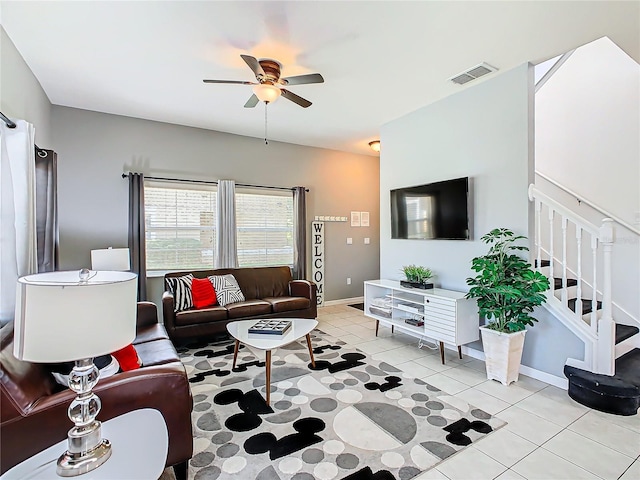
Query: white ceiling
<point x="380" y="59"/>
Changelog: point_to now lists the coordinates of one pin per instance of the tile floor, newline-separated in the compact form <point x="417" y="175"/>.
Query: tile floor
<point x="548" y="435"/>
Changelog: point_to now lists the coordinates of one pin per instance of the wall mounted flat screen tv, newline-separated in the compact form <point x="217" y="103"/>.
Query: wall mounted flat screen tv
<point x="432" y="211"/>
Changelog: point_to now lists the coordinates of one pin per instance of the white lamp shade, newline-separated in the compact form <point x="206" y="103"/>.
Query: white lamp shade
<point x="266" y="92"/>
<point x="60" y="319"/>
<point x="110" y="259"/>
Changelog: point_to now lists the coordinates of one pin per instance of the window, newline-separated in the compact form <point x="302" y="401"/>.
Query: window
<point x="180" y="223"/>
<point x="264" y="220"/>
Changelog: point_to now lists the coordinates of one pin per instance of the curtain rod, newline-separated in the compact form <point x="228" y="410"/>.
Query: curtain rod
<point x="11" y="124"/>
<point x="213" y="182"/>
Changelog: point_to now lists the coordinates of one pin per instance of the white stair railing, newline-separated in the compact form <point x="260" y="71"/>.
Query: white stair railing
<point x="597" y="333"/>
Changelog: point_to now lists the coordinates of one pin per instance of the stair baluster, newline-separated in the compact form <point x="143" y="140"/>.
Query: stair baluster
<point x="593" y="318"/>
<point x="551" y="212"/>
<point x="564" y="261"/>
<point x="538" y="236"/>
<point x="579" y="268"/>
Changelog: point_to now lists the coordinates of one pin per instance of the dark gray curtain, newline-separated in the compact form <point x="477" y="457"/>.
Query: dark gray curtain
<point x="136" y="232"/>
<point x="47" y="210"/>
<point x="299" y="233"/>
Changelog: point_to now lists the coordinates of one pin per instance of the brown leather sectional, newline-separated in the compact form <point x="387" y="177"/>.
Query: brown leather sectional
<point x="33" y="411"/>
<point x="269" y="292"/>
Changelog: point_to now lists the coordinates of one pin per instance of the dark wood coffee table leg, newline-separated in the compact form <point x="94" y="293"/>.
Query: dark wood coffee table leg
<point x="313" y="362"/>
<point x="460" y="352"/>
<point x="442" y="352"/>
<point x="235" y="352"/>
<point x="268" y="379"/>
<point x="377" y="325"/>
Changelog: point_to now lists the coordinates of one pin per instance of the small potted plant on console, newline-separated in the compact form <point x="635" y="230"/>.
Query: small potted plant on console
<point x="507" y="289"/>
<point x="416" y="277"/>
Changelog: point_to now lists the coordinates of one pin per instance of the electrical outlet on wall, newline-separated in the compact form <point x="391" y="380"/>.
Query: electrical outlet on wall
<point x="348" y="280"/>
<point x="349" y="241"/>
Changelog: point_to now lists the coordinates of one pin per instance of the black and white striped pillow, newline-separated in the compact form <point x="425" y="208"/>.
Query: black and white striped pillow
<point x="227" y="289"/>
<point x="181" y="289"/>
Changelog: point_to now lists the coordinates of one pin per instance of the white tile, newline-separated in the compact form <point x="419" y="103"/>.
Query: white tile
<point x="529" y="426"/>
<point x="396" y="356"/>
<point x="332" y="330"/>
<point x="372" y="346"/>
<point x="476" y="364"/>
<point x="360" y="331"/>
<point x="446" y="384"/>
<point x="471" y="464"/>
<point x="412" y="352"/>
<point x="466" y="375"/>
<point x="483" y="401"/>
<point x="432" y="474"/>
<point x="351" y="339"/>
<point x="544" y="465"/>
<point x="630" y="422"/>
<point x="633" y="472"/>
<point x="506" y="447"/>
<point x="509" y="475"/>
<point x="557" y="408"/>
<point x="433" y="362"/>
<point x="530" y="384"/>
<point x="602" y="430"/>
<point x="415" y="369"/>
<point x="511" y="394"/>
<point x="593" y="457"/>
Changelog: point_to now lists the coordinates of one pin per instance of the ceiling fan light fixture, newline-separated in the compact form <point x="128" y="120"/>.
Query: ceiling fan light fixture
<point x="375" y="145"/>
<point x="266" y="92"/>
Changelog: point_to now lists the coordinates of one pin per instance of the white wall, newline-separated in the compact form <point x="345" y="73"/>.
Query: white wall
<point x="588" y="128"/>
<point x="21" y="96"/>
<point x="484" y="132"/>
<point x="94" y="149"/>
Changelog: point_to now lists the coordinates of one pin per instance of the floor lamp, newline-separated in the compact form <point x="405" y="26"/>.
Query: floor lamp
<point x="76" y="316"/>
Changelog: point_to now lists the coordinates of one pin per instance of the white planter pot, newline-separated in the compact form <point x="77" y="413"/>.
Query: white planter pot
<point x="502" y="352"/>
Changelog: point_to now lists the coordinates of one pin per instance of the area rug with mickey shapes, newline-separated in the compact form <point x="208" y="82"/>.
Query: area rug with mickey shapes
<point x="349" y="418"/>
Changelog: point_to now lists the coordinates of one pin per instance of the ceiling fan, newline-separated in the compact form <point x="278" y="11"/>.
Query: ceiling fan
<point x="270" y="85"/>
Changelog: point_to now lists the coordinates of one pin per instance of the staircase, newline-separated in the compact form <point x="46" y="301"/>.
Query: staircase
<point x="608" y="378"/>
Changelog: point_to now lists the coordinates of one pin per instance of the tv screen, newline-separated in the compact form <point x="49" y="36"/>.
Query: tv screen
<point x="433" y="211"/>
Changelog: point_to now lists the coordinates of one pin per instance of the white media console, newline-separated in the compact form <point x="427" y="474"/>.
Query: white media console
<point x="446" y="316"/>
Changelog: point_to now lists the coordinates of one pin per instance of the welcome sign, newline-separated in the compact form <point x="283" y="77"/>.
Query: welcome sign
<point x="317" y="259"/>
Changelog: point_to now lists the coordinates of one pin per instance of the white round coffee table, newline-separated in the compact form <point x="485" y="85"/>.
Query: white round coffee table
<point x="300" y="327"/>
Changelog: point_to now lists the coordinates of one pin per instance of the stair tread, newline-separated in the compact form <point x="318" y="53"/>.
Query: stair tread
<point x="625" y="331"/>
<point x="543" y="263"/>
<point x="586" y="305"/>
<point x="557" y="283"/>
<point x="628" y="367"/>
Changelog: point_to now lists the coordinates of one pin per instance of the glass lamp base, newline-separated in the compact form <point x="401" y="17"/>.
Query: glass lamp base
<point x="74" y="464"/>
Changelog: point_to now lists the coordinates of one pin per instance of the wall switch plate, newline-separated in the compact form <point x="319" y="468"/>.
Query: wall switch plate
<point x="367" y="240"/>
<point x="348" y="280"/>
<point x="349" y="241"/>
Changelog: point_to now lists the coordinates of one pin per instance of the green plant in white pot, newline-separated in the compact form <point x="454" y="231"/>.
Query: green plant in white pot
<point x="507" y="289"/>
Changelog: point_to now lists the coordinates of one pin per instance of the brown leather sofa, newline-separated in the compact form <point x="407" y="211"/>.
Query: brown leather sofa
<point x="269" y="292"/>
<point x="33" y="407"/>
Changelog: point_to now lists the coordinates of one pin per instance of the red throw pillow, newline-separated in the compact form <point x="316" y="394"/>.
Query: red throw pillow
<point x="127" y="357"/>
<point x="203" y="293"/>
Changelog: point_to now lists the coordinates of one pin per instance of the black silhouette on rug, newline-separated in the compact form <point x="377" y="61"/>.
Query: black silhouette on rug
<point x="319" y="350"/>
<point x="367" y="474"/>
<point x="349" y="360"/>
<point x="200" y="376"/>
<point x="458" y="429"/>
<point x="228" y="350"/>
<point x="305" y="436"/>
<point x="391" y="382"/>
<point x="252" y="405"/>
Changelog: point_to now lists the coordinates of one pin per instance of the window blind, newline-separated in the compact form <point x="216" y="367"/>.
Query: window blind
<point x="264" y="223"/>
<point x="180" y="222"/>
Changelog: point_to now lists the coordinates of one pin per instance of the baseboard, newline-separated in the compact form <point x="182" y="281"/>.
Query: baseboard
<point x="559" y="382"/>
<point x="344" y="301"/>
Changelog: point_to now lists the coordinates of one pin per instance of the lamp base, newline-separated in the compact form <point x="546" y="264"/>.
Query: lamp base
<point x="87" y="451"/>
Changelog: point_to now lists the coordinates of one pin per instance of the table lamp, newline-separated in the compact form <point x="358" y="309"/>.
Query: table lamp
<point x="76" y="316"/>
<point x="110" y="259"/>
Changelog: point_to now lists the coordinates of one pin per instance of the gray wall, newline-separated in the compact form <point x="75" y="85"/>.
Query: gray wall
<point x="94" y="149"/>
<point x="21" y="96"/>
<point x="484" y="132"/>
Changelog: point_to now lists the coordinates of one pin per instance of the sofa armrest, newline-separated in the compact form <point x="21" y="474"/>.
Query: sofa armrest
<point x="302" y="288"/>
<point x="147" y="314"/>
<point x="147" y="387"/>
<point x="168" y="313"/>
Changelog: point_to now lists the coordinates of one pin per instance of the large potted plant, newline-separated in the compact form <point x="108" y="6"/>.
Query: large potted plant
<point x="507" y="289"/>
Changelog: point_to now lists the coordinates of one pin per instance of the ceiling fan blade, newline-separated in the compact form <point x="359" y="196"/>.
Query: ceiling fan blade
<point x="253" y="65"/>
<point x="232" y="82"/>
<point x="304" y="103"/>
<point x="303" y="79"/>
<point x="252" y="102"/>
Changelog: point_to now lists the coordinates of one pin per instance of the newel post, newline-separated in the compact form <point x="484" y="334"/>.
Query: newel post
<point x="606" y="326"/>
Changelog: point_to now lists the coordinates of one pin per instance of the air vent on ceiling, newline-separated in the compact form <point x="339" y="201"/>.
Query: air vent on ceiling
<point x="472" y="73"/>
